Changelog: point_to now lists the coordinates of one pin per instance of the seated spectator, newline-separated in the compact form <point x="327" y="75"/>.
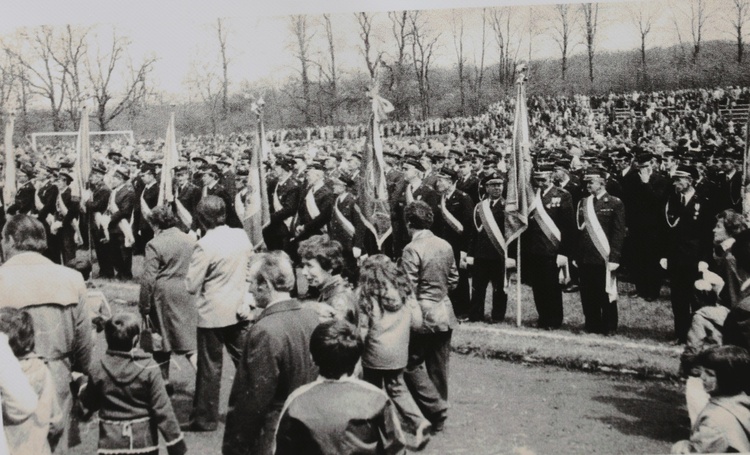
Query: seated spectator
<point x="338" y="414"/>
<point x="724" y="424"/>
<point x="127" y="388"/>
<point x="322" y="264"/>
<point x="39" y="433"/>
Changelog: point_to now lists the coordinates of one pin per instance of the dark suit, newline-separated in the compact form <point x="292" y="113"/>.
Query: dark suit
<point x="232" y="220"/>
<point x="338" y="231"/>
<point x="400" y="234"/>
<point x="314" y="224"/>
<point x="48" y="196"/>
<point x="730" y="193"/>
<point x="67" y="231"/>
<point x="459" y="205"/>
<point x="121" y="256"/>
<point x="489" y="266"/>
<point x="141" y="228"/>
<point x="599" y="312"/>
<point x="541" y="263"/>
<point x="470" y="186"/>
<point x="289" y="195"/>
<point x="688" y="240"/>
<point x="229" y="181"/>
<point x="189" y="195"/>
<point x="24" y="202"/>
<point x="97" y="203"/>
<point x="275" y="361"/>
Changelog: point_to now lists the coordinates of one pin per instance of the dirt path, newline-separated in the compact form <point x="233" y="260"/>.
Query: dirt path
<point x="501" y="407"/>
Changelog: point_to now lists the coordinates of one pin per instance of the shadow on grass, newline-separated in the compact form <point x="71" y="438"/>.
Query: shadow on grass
<point x="653" y="410"/>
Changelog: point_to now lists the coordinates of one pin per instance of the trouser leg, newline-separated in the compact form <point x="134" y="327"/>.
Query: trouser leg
<point x="420" y="385"/>
<point x="437" y="358"/>
<point x="593" y="295"/>
<point x="395" y="387"/>
<point x="480" y="279"/>
<point x="233" y="338"/>
<point x="545" y="285"/>
<point x="163" y="360"/>
<point x="682" y="279"/>
<point x="205" y="412"/>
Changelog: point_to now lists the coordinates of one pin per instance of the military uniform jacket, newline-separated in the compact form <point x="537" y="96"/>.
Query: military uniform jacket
<point x="610" y="212"/>
<point x="558" y="204"/>
<point x="688" y="236"/>
<point x="99" y="199"/>
<point x="219" y="191"/>
<point x="24" y="202"/>
<point x="459" y="205"/>
<point x="150" y="195"/>
<point x="470" y="186"/>
<point x="73" y="208"/>
<point x="189" y="195"/>
<point x="48" y="195"/>
<point x="289" y="194"/>
<point x="395" y="183"/>
<point x="337" y="229"/>
<point x="313" y="225"/>
<point x="125" y="201"/>
<point x="483" y="247"/>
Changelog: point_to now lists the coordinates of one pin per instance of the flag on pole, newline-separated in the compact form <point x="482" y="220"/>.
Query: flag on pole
<point x="372" y="205"/>
<point x="254" y="211"/>
<point x="9" y="190"/>
<point x="166" y="182"/>
<point x="82" y="166"/>
<point x="519" y="191"/>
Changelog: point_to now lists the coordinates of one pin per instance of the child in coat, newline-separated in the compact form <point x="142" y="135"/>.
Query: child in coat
<point x="127" y="389"/>
<point x="39" y="433"/>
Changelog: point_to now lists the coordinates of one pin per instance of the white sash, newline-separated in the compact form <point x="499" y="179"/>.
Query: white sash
<point x="495" y="235"/>
<point x="450" y="219"/>
<point x="37" y="201"/>
<point x="145" y="209"/>
<point x="312" y="206"/>
<point x="345" y="223"/>
<point x="545" y="222"/>
<point x="277" y="206"/>
<point x="409" y="194"/>
<point x="599" y="238"/>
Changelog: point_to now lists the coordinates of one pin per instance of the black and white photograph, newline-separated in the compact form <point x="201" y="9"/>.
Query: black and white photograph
<point x="348" y="227"/>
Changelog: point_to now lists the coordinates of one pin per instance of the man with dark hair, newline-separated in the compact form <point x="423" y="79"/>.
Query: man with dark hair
<point x="315" y="206"/>
<point x="119" y="212"/>
<point x="66" y="225"/>
<point x="284" y="199"/>
<point x="95" y="201"/>
<point x="413" y="190"/>
<point x="54" y="296"/>
<point x="324" y="416"/>
<point x="145" y="201"/>
<point x="322" y="264"/>
<point x="218" y="276"/>
<point x="186" y="193"/>
<point x="431" y="267"/>
<point x="275" y="359"/>
<point x="212" y="187"/>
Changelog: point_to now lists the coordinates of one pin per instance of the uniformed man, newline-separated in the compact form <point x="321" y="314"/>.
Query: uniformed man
<point x="284" y="198"/>
<point x="315" y="207"/>
<point x="228" y="177"/>
<point x="454" y="223"/>
<point x="414" y="190"/>
<point x="730" y="186"/>
<point x="187" y="194"/>
<point x="601" y="221"/>
<point x="467" y="181"/>
<point x="46" y="205"/>
<point x="119" y="247"/>
<point x="95" y="201"/>
<point x="68" y="226"/>
<point x="24" y="202"/>
<point x="688" y="241"/>
<point x="145" y="202"/>
<point x="341" y="227"/>
<point x="488" y="252"/>
<point x="549" y="239"/>
<point x="211" y="187"/>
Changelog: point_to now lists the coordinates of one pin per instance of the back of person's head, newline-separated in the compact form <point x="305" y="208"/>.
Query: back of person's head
<point x="741" y="250"/>
<point x="275" y="268"/>
<point x="19" y="327"/>
<point x="731" y="365"/>
<point x="336" y="348"/>
<point x="121" y="330"/>
<point x="375" y="275"/>
<point x="734" y="222"/>
<point x="211" y="212"/>
<point x="82" y="264"/>
<point x="327" y="252"/>
<point x="163" y="218"/>
<point x="418" y="215"/>
<point x="27" y="233"/>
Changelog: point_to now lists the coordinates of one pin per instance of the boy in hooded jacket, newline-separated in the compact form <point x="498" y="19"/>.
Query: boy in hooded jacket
<point x="127" y="389"/>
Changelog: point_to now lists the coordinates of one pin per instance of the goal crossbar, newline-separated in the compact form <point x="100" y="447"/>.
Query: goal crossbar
<point x="128" y="133"/>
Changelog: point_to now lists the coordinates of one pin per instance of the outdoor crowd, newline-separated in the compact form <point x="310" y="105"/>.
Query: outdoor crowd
<point x="341" y="340"/>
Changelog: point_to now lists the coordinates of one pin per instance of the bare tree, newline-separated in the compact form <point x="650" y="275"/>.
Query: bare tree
<point x="643" y="16"/>
<point x="738" y="22"/>
<point x="508" y="47"/>
<point x="103" y="70"/>
<point x="221" y="32"/>
<point x="423" y="42"/>
<point x="330" y="72"/>
<point x="457" y="23"/>
<point x="478" y="79"/>
<point x="590" y="12"/>
<point x="298" y="26"/>
<point x="697" y="14"/>
<point x="562" y="28"/>
<point x="203" y="81"/>
<point x="365" y="34"/>
<point x="401" y="35"/>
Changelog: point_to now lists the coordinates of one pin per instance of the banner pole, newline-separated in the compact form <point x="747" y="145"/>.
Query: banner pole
<point x="518" y="282"/>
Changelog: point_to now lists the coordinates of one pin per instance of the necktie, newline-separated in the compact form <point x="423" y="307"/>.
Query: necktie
<point x="205" y="191"/>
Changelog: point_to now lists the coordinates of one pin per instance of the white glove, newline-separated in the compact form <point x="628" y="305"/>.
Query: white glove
<point x="193" y="234"/>
<point x="356" y="252"/>
<point x="462" y="260"/>
<point x="510" y="263"/>
<point x="612" y="266"/>
<point x="469" y="260"/>
<point x="663" y="263"/>
<point x="562" y="261"/>
<point x="702" y="266"/>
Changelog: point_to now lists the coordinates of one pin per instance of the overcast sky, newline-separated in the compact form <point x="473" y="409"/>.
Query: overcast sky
<point x="180" y="32"/>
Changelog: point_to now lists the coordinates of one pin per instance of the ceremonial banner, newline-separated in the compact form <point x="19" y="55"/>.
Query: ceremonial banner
<point x="171" y="158"/>
<point x="257" y="214"/>
<point x="372" y="205"/>
<point x="9" y="190"/>
<point x="82" y="166"/>
<point x="520" y="192"/>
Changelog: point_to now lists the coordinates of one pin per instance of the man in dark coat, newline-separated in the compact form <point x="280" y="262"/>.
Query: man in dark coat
<point x="687" y="241"/>
<point x="68" y="211"/>
<point x="119" y="248"/>
<point x="186" y="193"/>
<point x="454" y="223"/>
<point x="96" y="201"/>
<point x="341" y="227"/>
<point x="601" y="222"/>
<point x="212" y="187"/>
<point x="275" y="358"/>
<point x="467" y="182"/>
<point x="24" y="202"/>
<point x="315" y="205"/>
<point x="46" y="206"/>
<point x="284" y="197"/>
<point x="414" y="190"/>
<point x="488" y="252"/>
<point x="550" y="237"/>
<point x="149" y="196"/>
